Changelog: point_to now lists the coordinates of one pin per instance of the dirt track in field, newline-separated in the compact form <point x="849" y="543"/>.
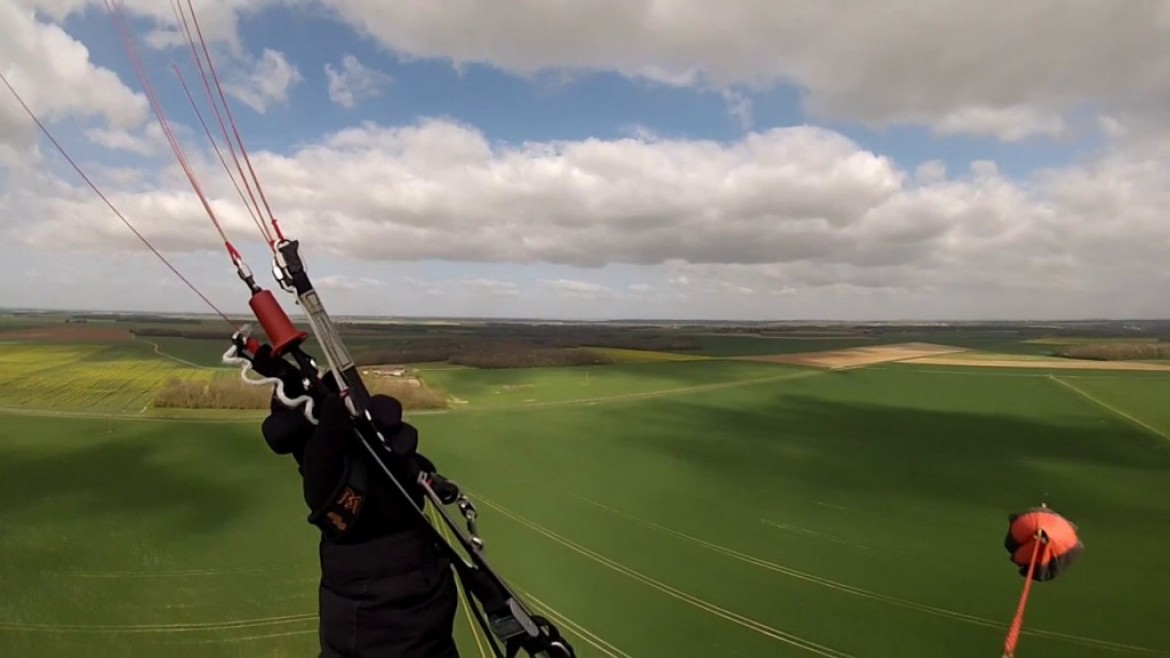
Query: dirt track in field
<point x="66" y="333"/>
<point x="1064" y="364"/>
<point x="855" y="357"/>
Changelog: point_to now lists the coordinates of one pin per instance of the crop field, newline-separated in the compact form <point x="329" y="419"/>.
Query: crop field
<point x="853" y="357"/>
<point x="518" y="387"/>
<point x="617" y="355"/>
<point x="667" y="508"/>
<point x="116" y="377"/>
<point x="198" y="352"/>
<point x="723" y="345"/>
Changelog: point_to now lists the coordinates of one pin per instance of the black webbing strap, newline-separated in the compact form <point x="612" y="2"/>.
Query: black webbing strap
<point x="340" y="511"/>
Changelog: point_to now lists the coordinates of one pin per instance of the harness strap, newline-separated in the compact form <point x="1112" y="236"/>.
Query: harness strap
<point x="338" y="514"/>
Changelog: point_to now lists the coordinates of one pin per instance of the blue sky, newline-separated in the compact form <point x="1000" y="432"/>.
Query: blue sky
<point x="686" y="230"/>
<point x="556" y="105"/>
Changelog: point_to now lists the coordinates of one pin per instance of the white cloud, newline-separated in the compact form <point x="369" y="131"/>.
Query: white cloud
<point x="998" y="67"/>
<point x="462" y="291"/>
<point x="146" y="141"/>
<point x="1008" y="124"/>
<point x="218" y="21"/>
<point x="480" y="285"/>
<point x="931" y="171"/>
<point x="41" y="60"/>
<point x="341" y="283"/>
<point x="796" y="212"/>
<point x="739" y="106"/>
<point x="1003" y="69"/>
<point x="800" y="218"/>
<point x="1113" y="127"/>
<point x="269" y="81"/>
<point x="572" y="288"/>
<point x="355" y="82"/>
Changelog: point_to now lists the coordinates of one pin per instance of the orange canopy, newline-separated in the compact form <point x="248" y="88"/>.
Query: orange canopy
<point x="1060" y="544"/>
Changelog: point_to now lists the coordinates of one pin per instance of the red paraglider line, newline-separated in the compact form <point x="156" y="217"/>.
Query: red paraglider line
<point x="1013" y="636"/>
<point x="105" y="199"/>
<point x="181" y="19"/>
<point x="114" y="7"/>
<point x="232" y="121"/>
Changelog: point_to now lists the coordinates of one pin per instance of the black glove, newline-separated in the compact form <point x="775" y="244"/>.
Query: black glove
<point x="286" y="430"/>
<point x="447" y="491"/>
<point x="325" y="451"/>
<point x="270" y="365"/>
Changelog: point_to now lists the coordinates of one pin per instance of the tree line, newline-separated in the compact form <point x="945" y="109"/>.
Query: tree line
<point x="1118" y="351"/>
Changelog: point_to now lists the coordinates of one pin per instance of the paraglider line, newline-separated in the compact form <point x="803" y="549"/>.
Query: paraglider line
<point x="1013" y="636"/>
<point x="112" y="207"/>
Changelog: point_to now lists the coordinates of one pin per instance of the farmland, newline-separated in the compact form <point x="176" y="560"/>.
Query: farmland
<point x="116" y="378"/>
<point x="658" y="506"/>
<point x="585" y="385"/>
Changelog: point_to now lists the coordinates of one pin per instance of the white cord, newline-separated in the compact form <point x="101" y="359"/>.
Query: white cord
<point x="246" y="365"/>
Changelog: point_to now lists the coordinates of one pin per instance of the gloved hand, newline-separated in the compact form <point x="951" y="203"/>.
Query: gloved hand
<point x="325" y="451"/>
<point x="319" y="450"/>
<point x="447" y="491"/>
<point x="286" y="430"/>
<point x="270" y="365"/>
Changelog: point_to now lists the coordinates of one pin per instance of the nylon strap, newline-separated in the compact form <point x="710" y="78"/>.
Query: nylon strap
<point x="344" y="505"/>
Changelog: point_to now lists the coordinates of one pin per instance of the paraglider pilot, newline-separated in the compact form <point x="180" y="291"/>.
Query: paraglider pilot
<point x="386" y="589"/>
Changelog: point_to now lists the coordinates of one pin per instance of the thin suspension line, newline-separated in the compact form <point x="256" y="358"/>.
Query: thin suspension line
<point x="103" y="197"/>
<point x="207" y="131"/>
<point x="232" y="121"/>
<point x="128" y="42"/>
<point x="181" y="19"/>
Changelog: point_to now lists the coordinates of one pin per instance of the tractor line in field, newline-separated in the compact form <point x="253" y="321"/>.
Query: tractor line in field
<point x="1109" y="407"/>
<point x="875" y="596"/>
<point x="673" y="592"/>
<point x="160" y="628"/>
<point x="582" y="632"/>
<point x="481" y="641"/>
<point x="172" y="357"/>
<point x="249" y="638"/>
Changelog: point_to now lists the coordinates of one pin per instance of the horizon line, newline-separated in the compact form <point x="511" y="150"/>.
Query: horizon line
<point x="243" y="314"/>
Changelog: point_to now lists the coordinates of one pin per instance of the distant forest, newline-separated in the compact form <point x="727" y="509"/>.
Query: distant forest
<point x="481" y="346"/>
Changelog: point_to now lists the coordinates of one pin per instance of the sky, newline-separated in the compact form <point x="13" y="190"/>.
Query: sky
<point x="604" y="159"/>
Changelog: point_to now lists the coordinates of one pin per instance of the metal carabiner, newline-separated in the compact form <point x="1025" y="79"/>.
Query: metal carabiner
<point x="470" y="514"/>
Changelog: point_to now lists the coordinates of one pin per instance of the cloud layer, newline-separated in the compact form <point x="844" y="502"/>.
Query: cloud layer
<point x="354" y="82"/>
<point x="40" y="60"/>
<point x="798" y="217"/>
<point x="779" y="211"/>
<point x="1001" y="67"/>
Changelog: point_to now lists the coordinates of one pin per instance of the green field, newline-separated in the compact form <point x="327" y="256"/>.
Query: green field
<point x="665" y="508"/>
<point x="617" y="355"/>
<point x="198" y="352"/>
<point x="727" y="345"/>
<point x="113" y="378"/>
<point x="749" y="345"/>
<point x="518" y="387"/>
<point x="1065" y="341"/>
